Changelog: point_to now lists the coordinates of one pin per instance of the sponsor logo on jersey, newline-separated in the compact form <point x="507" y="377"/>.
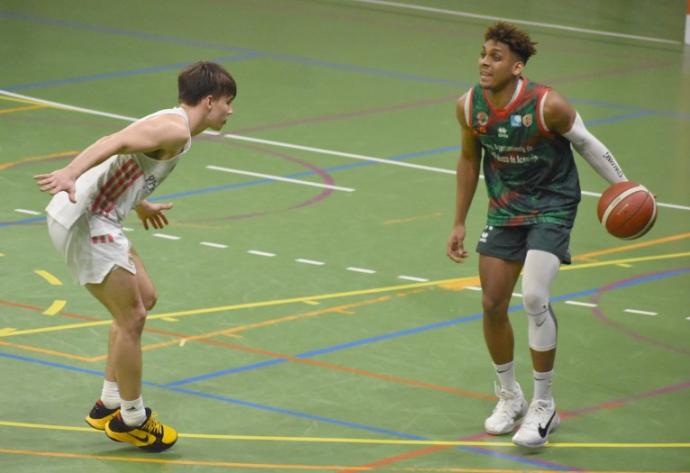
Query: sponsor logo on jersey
<point x="502" y="132"/>
<point x="515" y="121"/>
<point x="150" y="184"/>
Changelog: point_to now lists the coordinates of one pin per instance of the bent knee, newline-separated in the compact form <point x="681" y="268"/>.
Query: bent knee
<point x="535" y="303"/>
<point x="494" y="308"/>
<point x="150" y="300"/>
<point x="132" y="323"/>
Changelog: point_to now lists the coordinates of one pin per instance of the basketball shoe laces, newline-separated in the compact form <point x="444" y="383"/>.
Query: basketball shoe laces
<point x="538" y="414"/>
<point x="153" y="426"/>
<point x="507" y="407"/>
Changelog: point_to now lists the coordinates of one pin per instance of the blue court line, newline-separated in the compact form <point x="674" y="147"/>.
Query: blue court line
<point x="289" y="412"/>
<point x="640" y="280"/>
<point x="218" y="46"/>
<point x="119" y="74"/>
<point x="294" y="58"/>
<point x="364" y="341"/>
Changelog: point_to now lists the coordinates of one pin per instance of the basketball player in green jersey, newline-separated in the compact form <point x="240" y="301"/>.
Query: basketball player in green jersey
<point x="522" y="131"/>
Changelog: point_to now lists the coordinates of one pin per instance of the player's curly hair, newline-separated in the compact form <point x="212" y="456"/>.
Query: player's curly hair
<point x="517" y="40"/>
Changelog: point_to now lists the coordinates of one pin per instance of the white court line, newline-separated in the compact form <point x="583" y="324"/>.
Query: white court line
<point x="517" y="22"/>
<point x="166" y="236"/>
<point x="285" y="145"/>
<point x="261" y="253"/>
<point x="517" y="294"/>
<point x="583" y="304"/>
<point x="641" y="312"/>
<point x="213" y="245"/>
<point x="127" y="229"/>
<point x="412" y="278"/>
<point x="474" y="288"/>
<point x="310" y="261"/>
<point x="279" y="178"/>
<point x="360" y="270"/>
<point x="28" y="212"/>
<point x="329" y="152"/>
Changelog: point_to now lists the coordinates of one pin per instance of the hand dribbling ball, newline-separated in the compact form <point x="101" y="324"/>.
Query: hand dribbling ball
<point x="627" y="210"/>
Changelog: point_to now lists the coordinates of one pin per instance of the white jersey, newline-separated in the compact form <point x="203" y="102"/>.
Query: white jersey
<point x="117" y="185"/>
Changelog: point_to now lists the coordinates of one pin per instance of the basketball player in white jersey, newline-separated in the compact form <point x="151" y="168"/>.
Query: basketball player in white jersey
<point x="92" y="196"/>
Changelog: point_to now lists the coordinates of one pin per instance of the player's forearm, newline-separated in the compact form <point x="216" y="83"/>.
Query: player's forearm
<point x="94" y="155"/>
<point x="466" y="178"/>
<point x="594" y="152"/>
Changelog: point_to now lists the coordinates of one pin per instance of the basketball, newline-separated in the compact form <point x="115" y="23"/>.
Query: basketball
<point x="627" y="210"/>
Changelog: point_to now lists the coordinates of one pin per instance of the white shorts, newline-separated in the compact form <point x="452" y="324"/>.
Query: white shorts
<point x="92" y="247"/>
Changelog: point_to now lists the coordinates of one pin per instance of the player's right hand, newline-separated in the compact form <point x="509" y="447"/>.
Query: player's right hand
<point x="57" y="181"/>
<point x="455" y="249"/>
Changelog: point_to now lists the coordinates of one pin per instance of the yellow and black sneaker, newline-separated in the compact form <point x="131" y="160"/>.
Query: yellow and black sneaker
<point x="100" y="415"/>
<point x="152" y="435"/>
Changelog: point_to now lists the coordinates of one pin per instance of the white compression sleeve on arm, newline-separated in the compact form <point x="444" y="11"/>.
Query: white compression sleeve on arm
<point x="594" y="151"/>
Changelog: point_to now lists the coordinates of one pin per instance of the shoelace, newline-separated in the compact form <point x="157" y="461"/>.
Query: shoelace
<point x="538" y="414"/>
<point x="153" y="425"/>
<point x="504" y="405"/>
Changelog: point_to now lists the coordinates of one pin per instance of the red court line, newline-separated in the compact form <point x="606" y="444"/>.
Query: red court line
<point x="246" y="349"/>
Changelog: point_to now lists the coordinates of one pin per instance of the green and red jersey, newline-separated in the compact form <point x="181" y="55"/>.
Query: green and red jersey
<point x="529" y="171"/>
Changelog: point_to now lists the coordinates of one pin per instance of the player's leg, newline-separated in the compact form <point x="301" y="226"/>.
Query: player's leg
<point x="66" y="242"/>
<point x="548" y="246"/>
<point x="498" y="278"/>
<point x="108" y="405"/>
<point x="120" y="294"/>
<point x="147" y="289"/>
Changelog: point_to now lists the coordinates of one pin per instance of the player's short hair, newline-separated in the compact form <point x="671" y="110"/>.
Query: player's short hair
<point x="204" y="78"/>
<point x="517" y="40"/>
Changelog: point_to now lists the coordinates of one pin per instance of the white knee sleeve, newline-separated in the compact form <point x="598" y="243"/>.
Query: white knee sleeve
<point x="540" y="270"/>
<point x="543" y="331"/>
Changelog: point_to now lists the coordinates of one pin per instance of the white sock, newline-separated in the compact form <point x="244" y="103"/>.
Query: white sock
<point x="110" y="395"/>
<point x="542" y="385"/>
<point x="506" y="375"/>
<point x="132" y="412"/>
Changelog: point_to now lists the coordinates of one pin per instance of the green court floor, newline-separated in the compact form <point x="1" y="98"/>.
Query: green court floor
<point x="308" y="318"/>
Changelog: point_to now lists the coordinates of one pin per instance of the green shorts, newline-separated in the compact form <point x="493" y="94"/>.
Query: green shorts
<point x="512" y="243"/>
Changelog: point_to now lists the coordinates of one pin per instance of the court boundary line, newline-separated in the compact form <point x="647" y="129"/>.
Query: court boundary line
<point x="554" y="26"/>
<point x="312" y="149"/>
<point x="358" y="440"/>
<point x="378" y="290"/>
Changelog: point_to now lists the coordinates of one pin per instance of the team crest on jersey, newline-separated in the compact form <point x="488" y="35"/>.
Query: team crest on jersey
<point x="527" y="119"/>
<point x="515" y="121"/>
<point x="482" y="118"/>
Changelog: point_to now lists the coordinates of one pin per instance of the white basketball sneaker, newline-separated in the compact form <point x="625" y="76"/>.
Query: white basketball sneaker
<point x="510" y="409"/>
<point x="540" y="420"/>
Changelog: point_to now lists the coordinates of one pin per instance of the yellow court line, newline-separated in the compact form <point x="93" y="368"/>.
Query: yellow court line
<point x="45" y="351"/>
<point x="18" y="100"/>
<point x="43" y="157"/>
<point x="55" y="307"/>
<point x="271" y="303"/>
<point x="22" y="109"/>
<point x="626" y="261"/>
<point x="368" y="441"/>
<point x="633" y="246"/>
<point x="52" y="280"/>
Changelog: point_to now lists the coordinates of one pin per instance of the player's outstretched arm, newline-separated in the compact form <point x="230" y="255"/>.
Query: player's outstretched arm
<point x="166" y="132"/>
<point x="467" y="176"/>
<point x="562" y="118"/>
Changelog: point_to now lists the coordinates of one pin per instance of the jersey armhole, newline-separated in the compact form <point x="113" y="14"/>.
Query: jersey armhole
<point x="468" y="108"/>
<point x="541" y="122"/>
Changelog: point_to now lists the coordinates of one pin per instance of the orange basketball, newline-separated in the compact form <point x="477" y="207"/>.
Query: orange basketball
<point x="627" y="210"/>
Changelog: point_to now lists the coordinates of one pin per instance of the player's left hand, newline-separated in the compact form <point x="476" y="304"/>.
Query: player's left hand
<point x="58" y="181"/>
<point x="152" y="214"/>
